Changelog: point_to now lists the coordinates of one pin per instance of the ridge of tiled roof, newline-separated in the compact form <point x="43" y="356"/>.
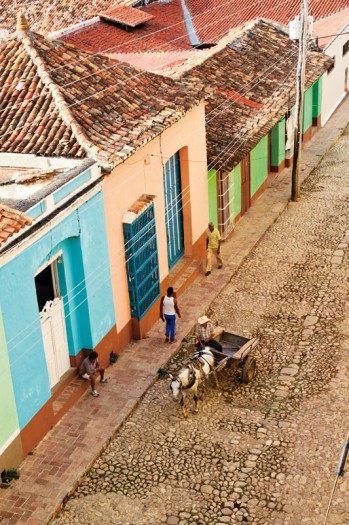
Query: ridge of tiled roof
<point x="239" y="122"/>
<point x="29" y="120"/>
<point x="59" y="100"/>
<point x="11" y="222"/>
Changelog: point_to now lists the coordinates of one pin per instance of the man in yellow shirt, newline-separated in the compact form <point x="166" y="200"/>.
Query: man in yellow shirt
<point x="213" y="245"/>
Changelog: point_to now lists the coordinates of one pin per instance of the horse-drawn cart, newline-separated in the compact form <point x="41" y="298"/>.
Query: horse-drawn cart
<point x="235" y="354"/>
<point x="206" y="361"/>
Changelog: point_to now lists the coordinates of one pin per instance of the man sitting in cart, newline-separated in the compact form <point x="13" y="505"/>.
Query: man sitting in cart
<point x="205" y="332"/>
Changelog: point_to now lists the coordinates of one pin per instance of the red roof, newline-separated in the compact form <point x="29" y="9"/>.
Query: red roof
<point x="129" y="16"/>
<point x="11" y="221"/>
<point x="165" y="32"/>
<point x="92" y="106"/>
<point x="211" y="19"/>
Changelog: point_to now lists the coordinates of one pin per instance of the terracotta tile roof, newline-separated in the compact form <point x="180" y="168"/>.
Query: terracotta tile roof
<point x="58" y="100"/>
<point x="165" y="32"/>
<point x="327" y="28"/>
<point x="29" y="119"/>
<point x="45" y="16"/>
<point x="126" y="15"/>
<point x="213" y="20"/>
<point x="11" y="221"/>
<point x="254" y="86"/>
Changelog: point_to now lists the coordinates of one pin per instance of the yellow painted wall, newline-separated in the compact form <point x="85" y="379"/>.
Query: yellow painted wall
<point x="143" y="173"/>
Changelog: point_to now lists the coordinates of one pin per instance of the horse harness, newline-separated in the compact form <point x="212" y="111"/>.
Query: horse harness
<point x="191" y="370"/>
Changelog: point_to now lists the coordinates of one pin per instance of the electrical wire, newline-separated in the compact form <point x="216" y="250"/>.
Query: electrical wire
<point x="80" y="291"/>
<point x="121" y="251"/>
<point x="117" y="64"/>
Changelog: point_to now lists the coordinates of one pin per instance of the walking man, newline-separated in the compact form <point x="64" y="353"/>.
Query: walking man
<point x="89" y="370"/>
<point x="213" y="245"/>
<point x="168" y="310"/>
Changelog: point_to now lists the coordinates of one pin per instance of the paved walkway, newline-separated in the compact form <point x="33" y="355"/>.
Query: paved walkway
<point x="67" y="452"/>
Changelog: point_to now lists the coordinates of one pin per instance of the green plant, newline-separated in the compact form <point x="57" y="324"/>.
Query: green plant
<point x="162" y="373"/>
<point x="8" y="475"/>
<point x="113" y="358"/>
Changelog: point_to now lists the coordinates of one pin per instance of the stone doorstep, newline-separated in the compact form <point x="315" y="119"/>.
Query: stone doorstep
<point x="69" y="395"/>
<point x="188" y="277"/>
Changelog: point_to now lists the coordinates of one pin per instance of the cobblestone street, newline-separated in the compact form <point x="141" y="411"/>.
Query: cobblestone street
<point x="263" y="453"/>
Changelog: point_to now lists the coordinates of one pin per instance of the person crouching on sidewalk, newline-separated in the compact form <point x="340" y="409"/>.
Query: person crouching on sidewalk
<point x="89" y="370"/>
<point x="168" y="310"/>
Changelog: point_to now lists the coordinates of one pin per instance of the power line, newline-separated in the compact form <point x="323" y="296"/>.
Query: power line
<point x="117" y="64"/>
<point x="121" y="252"/>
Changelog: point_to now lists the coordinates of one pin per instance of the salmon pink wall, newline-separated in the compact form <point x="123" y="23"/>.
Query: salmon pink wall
<point x="143" y="173"/>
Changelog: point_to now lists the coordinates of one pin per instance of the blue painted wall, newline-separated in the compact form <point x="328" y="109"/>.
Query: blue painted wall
<point x="84" y="277"/>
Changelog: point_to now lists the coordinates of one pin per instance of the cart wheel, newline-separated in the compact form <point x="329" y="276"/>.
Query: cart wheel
<point x="249" y="369"/>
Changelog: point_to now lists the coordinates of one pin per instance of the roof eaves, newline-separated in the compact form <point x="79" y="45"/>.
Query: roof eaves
<point x="62" y="107"/>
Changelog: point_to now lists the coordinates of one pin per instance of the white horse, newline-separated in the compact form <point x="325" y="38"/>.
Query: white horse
<point x="191" y="376"/>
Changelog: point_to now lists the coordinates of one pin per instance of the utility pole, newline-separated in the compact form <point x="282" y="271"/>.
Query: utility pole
<point x="302" y="54"/>
<point x="339" y="472"/>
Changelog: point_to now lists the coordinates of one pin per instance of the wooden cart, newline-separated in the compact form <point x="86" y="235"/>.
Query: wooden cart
<point x="236" y="353"/>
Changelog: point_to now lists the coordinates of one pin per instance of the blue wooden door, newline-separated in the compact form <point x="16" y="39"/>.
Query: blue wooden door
<point x="173" y="210"/>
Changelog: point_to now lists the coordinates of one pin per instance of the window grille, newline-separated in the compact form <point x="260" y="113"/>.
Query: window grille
<point x="226" y="208"/>
<point x="142" y="262"/>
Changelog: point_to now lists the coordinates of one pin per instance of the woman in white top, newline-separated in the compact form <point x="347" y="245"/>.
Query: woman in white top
<point x="168" y="310"/>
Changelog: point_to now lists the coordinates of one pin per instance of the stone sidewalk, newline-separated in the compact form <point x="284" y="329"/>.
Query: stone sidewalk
<point x="67" y="452"/>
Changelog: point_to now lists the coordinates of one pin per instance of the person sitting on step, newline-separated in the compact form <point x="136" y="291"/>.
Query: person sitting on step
<point x="89" y="370"/>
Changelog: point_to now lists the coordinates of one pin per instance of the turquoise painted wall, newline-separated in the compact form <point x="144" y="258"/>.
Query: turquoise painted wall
<point x="278" y="141"/>
<point x="307" y="109"/>
<point x="259" y="164"/>
<point x="317" y="97"/>
<point x="88" y="306"/>
<point x="212" y="197"/>
<point x="8" y="412"/>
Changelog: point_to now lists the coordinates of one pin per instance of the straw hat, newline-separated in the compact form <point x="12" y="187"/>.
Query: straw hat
<point x="204" y="319"/>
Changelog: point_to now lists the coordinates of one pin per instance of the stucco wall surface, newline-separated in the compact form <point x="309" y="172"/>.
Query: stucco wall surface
<point x="143" y="173"/>
<point x="89" y="309"/>
<point x="333" y="88"/>
<point x="259" y="164"/>
<point x="8" y="412"/>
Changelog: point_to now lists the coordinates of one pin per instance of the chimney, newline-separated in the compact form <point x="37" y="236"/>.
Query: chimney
<point x="22" y="23"/>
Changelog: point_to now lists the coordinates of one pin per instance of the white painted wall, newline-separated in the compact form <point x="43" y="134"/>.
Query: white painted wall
<point x="333" y="86"/>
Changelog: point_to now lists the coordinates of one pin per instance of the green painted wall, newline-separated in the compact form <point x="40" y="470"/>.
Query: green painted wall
<point x="212" y="197"/>
<point x="8" y="411"/>
<point x="278" y="140"/>
<point x="259" y="164"/>
<point x="235" y="189"/>
<point x="308" y="109"/>
<point x="317" y="97"/>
